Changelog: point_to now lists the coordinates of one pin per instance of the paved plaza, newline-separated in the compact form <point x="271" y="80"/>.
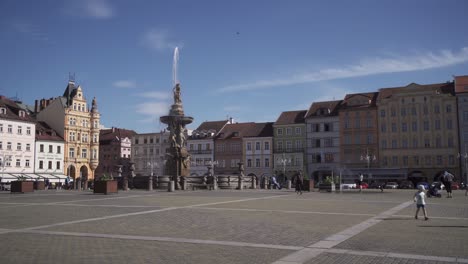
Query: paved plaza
<point x="261" y="226"/>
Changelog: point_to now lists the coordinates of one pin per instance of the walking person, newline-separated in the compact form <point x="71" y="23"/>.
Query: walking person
<point x="448" y="180"/>
<point x="420" y="199"/>
<point x="299" y="180"/>
<point x="275" y="182"/>
<point x="360" y="180"/>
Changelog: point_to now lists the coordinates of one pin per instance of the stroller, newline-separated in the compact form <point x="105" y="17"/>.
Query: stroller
<point x="434" y="192"/>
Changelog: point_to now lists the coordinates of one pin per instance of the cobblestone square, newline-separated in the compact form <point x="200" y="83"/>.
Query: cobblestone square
<point x="262" y="226"/>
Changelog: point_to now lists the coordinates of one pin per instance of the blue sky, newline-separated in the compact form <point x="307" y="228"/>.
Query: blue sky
<point x="245" y="59"/>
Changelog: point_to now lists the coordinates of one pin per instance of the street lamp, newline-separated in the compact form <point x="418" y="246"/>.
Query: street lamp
<point x="150" y="181"/>
<point x="284" y="161"/>
<point x="368" y="158"/>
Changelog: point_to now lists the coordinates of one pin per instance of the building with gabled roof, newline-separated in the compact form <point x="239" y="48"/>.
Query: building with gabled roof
<point x="17" y="130"/>
<point x="200" y="145"/>
<point x="228" y="147"/>
<point x="289" y="139"/>
<point x="49" y="157"/>
<point x="115" y="148"/>
<point x="70" y="116"/>
<point x="257" y="150"/>
<point x="418" y="131"/>
<point x="461" y="92"/>
<point x="323" y="139"/>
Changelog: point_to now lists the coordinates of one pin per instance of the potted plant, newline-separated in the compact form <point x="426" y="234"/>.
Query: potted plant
<point x="106" y="184"/>
<point x="22" y="185"/>
<point x="327" y="185"/>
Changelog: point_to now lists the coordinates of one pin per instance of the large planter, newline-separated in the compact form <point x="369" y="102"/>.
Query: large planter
<point x="22" y="186"/>
<point x="105" y="187"/>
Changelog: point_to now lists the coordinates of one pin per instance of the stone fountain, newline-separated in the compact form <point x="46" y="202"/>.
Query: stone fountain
<point x="177" y="158"/>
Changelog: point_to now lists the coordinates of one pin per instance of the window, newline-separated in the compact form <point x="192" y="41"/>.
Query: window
<point x="439" y="160"/>
<point x="450" y="142"/>
<point x="298" y="130"/>
<point x="413" y="111"/>
<point x="59" y="149"/>
<point x="436" y="109"/>
<point x="393" y="112"/>
<point x="449" y="124"/>
<point x="328" y="157"/>
<point x="404" y="143"/>
<point x="394" y="129"/>
<point x="327" y="142"/>
<point x="145" y="141"/>
<point x="425" y="110"/>
<point x="3" y="110"/>
<point x="50" y="165"/>
<point x="279" y="145"/>
<point x="20" y="130"/>
<point x="71" y="152"/>
<point x="451" y="159"/>
<point x="414" y="126"/>
<point x="267" y="162"/>
<point x="403" y="112"/>
<point x="357" y="139"/>
<point x="465" y="118"/>
<point x="438" y="142"/>
<point x="41" y="164"/>
<point x="267" y="145"/>
<point x="27" y="164"/>
<point x="426" y="125"/>
<point x="415" y="142"/>
<point x="10" y="129"/>
<point x="51" y="148"/>
<point x="257" y="163"/>
<point x="347" y="123"/>
<point x="18" y="146"/>
<point x="427" y="160"/>
<point x="84" y="153"/>
<point x="257" y="145"/>
<point x="416" y="160"/>
<point x="448" y="108"/>
<point x="1" y="125"/>
<point x="1" y="144"/>
<point x="437" y="124"/>
<point x="8" y="145"/>
<point x="394" y="143"/>
<point x="369" y="123"/>
<point x="288" y="145"/>
<point x="18" y="163"/>
<point x="404" y="127"/>
<point x="288" y="131"/>
<point x="427" y="143"/>
<point x="383" y="128"/>
<point x="357" y="123"/>
<point x="382" y="113"/>
<point x="384" y="143"/>
<point x="41" y="148"/>
<point x="58" y="165"/>
<point x="28" y="147"/>
<point x="72" y="136"/>
<point x="317" y="143"/>
<point x="327" y="127"/>
<point x="280" y="131"/>
<point x="249" y="163"/>
<point x="394" y="160"/>
<point x="405" y="161"/>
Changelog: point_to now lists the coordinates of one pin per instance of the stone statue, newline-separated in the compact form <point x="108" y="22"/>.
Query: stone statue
<point x="176" y="90"/>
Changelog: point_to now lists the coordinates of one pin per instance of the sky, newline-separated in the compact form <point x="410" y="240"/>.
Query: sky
<point x="245" y="59"/>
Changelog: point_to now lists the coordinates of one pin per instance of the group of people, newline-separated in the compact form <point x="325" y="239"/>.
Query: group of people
<point x="298" y="181"/>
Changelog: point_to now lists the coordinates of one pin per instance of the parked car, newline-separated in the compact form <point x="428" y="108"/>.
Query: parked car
<point x="406" y="185"/>
<point x="391" y="185"/>
<point x="346" y="186"/>
<point x="425" y="184"/>
<point x="439" y="185"/>
<point x="455" y="186"/>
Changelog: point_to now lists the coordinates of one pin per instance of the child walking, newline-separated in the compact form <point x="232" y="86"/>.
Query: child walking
<point x="420" y="199"/>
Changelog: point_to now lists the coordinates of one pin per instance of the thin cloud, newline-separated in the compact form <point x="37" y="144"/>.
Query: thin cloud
<point x="124" y="84"/>
<point x="159" y="40"/>
<point x="366" y="67"/>
<point x="98" y="9"/>
<point x="29" y="30"/>
<point x="152" y="110"/>
<point x="155" y="95"/>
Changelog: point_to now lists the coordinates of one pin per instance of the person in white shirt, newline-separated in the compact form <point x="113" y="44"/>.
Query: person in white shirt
<point x="420" y="199"/>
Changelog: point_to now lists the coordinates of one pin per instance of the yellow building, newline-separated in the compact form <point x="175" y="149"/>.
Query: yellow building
<point x="79" y="126"/>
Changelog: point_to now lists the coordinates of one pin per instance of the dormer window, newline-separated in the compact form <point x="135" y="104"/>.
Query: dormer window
<point x="236" y="134"/>
<point x="3" y="110"/>
<point x="21" y="113"/>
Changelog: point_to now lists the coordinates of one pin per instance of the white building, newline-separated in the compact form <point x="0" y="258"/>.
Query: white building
<point x="148" y="153"/>
<point x="258" y="149"/>
<point x="49" y="161"/>
<point x="17" y="131"/>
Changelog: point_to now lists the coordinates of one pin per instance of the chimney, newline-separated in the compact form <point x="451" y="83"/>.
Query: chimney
<point x="231" y="120"/>
<point x="36" y="106"/>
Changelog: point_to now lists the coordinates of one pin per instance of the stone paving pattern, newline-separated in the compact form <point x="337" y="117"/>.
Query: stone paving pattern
<point x="249" y="226"/>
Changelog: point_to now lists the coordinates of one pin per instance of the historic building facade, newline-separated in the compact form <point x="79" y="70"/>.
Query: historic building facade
<point x="418" y="130"/>
<point x="289" y="143"/>
<point x="79" y="126"/>
<point x="115" y="148"/>
<point x="257" y="147"/>
<point x="200" y="145"/>
<point x="149" y="153"/>
<point x="323" y="140"/>
<point x="49" y="157"/>
<point x="17" y="132"/>
<point x="461" y="90"/>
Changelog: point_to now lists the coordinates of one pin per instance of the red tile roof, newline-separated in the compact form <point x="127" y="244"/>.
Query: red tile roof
<point x="13" y="110"/>
<point x="291" y="117"/>
<point x="45" y="133"/>
<point x="445" y="88"/>
<point x="237" y="130"/>
<point x="108" y="135"/>
<point x="330" y="107"/>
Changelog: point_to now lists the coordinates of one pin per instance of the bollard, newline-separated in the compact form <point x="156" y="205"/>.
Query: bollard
<point x="150" y="183"/>
<point x="171" y="186"/>
<point x="289" y="184"/>
<point x="239" y="183"/>
<point x="254" y="183"/>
